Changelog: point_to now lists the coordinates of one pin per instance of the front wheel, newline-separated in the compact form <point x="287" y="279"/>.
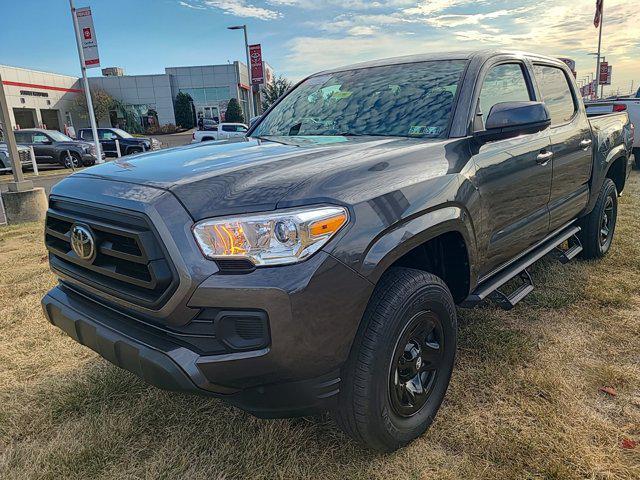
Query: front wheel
<point x="598" y="228"/>
<point x="401" y="361"/>
<point x="71" y="160"/>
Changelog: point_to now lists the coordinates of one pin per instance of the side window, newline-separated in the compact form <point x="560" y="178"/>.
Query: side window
<point x="87" y="135"/>
<point x="241" y="128"/>
<point x="503" y="83"/>
<point x="556" y="93"/>
<point x="106" y="135"/>
<point x="40" y="138"/>
<point x="228" y="128"/>
<point x="23" y="137"/>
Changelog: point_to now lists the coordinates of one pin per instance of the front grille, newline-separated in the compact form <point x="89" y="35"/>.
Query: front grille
<point x="25" y="156"/>
<point x="130" y="262"/>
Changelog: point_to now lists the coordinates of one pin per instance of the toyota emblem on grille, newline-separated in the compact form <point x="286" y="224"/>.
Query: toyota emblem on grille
<point x="82" y="242"/>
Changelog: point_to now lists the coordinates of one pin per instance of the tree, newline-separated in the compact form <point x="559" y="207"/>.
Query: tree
<point x="274" y="90"/>
<point x="103" y="103"/>
<point x="234" y="112"/>
<point x="184" y="110"/>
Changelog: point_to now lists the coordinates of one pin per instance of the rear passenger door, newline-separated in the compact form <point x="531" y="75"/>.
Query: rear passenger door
<point x="571" y="144"/>
<point x="44" y="148"/>
<point x="512" y="175"/>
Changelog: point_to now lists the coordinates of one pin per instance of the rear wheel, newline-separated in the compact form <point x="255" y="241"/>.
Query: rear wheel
<point x="636" y="155"/>
<point x="401" y="361"/>
<point x="598" y="228"/>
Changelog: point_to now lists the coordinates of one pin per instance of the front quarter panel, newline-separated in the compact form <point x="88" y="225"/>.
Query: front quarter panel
<point x="389" y="225"/>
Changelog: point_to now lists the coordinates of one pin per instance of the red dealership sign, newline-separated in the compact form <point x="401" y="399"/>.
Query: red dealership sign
<point x="257" y="70"/>
<point x="604" y="73"/>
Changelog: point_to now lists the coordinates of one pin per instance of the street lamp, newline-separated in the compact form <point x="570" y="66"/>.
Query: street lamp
<point x="246" y="49"/>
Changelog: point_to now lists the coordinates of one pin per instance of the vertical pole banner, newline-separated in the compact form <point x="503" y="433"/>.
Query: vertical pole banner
<point x="257" y="70"/>
<point x="88" y="37"/>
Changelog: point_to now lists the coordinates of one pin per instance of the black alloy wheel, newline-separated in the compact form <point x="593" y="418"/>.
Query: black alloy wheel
<point x="416" y="363"/>
<point x="607" y="223"/>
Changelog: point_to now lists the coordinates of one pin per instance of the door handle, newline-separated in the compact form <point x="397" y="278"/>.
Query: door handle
<point x="543" y="157"/>
<point x="585" y="143"/>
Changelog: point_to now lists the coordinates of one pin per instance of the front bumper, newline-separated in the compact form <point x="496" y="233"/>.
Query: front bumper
<point x="314" y="309"/>
<point x="89" y="158"/>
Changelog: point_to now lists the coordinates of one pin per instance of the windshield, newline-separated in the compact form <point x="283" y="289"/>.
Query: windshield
<point x="410" y="100"/>
<point x="122" y="133"/>
<point x="58" y="137"/>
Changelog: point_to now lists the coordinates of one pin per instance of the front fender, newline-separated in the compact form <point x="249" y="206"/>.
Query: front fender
<point x="402" y="238"/>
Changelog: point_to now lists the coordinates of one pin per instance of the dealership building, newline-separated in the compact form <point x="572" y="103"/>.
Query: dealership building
<point x="48" y="100"/>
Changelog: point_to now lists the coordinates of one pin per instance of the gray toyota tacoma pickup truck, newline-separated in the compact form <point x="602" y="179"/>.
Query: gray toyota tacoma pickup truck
<point x="316" y="265"/>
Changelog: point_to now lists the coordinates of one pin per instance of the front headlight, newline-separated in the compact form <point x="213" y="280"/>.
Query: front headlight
<point x="270" y="238"/>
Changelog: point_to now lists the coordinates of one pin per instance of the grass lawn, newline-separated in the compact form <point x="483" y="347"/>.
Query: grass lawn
<point x="524" y="401"/>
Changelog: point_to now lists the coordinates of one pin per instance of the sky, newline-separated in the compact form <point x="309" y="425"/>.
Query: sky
<point x="300" y="37"/>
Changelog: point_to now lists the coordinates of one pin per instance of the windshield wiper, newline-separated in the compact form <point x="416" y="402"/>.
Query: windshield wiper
<point x="266" y="138"/>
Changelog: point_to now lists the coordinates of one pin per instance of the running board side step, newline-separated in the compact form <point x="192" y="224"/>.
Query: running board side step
<point x="575" y="247"/>
<point x="490" y="288"/>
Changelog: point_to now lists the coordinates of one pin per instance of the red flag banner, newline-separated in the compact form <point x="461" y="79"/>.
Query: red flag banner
<point x="257" y="70"/>
<point x="598" y="18"/>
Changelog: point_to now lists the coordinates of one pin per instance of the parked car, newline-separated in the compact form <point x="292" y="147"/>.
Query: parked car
<point x="128" y="143"/>
<point x="629" y="105"/>
<point x="317" y="264"/>
<point x="5" y="158"/>
<point x="53" y="147"/>
<point x="220" y="132"/>
<point x="208" y="124"/>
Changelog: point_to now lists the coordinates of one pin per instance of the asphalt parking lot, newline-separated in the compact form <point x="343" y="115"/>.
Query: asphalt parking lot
<point x="52" y="175"/>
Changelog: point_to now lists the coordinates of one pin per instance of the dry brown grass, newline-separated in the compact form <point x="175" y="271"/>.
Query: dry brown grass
<point x="523" y="403"/>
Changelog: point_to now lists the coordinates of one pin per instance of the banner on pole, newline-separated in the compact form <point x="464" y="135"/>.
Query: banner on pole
<point x="604" y="73"/>
<point x="88" y="37"/>
<point x="609" y="72"/>
<point x="257" y="69"/>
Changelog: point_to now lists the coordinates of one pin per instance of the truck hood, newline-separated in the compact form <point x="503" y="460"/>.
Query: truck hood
<point x="230" y="177"/>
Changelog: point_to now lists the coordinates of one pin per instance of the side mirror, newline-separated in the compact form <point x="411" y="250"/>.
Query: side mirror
<point x="510" y="119"/>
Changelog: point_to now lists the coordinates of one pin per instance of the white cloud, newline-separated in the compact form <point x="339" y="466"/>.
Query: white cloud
<point x="553" y="27"/>
<point x="240" y="8"/>
<point x="362" y="31"/>
<point x="190" y="5"/>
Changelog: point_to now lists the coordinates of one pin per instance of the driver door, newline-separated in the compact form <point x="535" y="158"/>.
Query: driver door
<point x="108" y="141"/>
<point x="512" y="177"/>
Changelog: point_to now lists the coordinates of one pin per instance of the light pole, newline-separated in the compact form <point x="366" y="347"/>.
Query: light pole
<point x="246" y="49"/>
<point x="600" y="59"/>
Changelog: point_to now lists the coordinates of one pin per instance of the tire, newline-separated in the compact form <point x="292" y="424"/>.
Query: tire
<point x="595" y="241"/>
<point x="409" y="313"/>
<point x="207" y="139"/>
<point x="134" y="150"/>
<point x="636" y="155"/>
<point x="75" y="158"/>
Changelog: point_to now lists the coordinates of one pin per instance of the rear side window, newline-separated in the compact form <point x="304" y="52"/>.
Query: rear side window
<point x="556" y="93"/>
<point x="228" y="128"/>
<point x="503" y="83"/>
<point x="23" y="137"/>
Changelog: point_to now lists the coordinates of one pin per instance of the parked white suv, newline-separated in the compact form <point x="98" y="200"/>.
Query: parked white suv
<point x="222" y="131"/>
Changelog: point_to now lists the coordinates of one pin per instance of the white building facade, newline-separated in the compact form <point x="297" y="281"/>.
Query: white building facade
<point x="43" y="99"/>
